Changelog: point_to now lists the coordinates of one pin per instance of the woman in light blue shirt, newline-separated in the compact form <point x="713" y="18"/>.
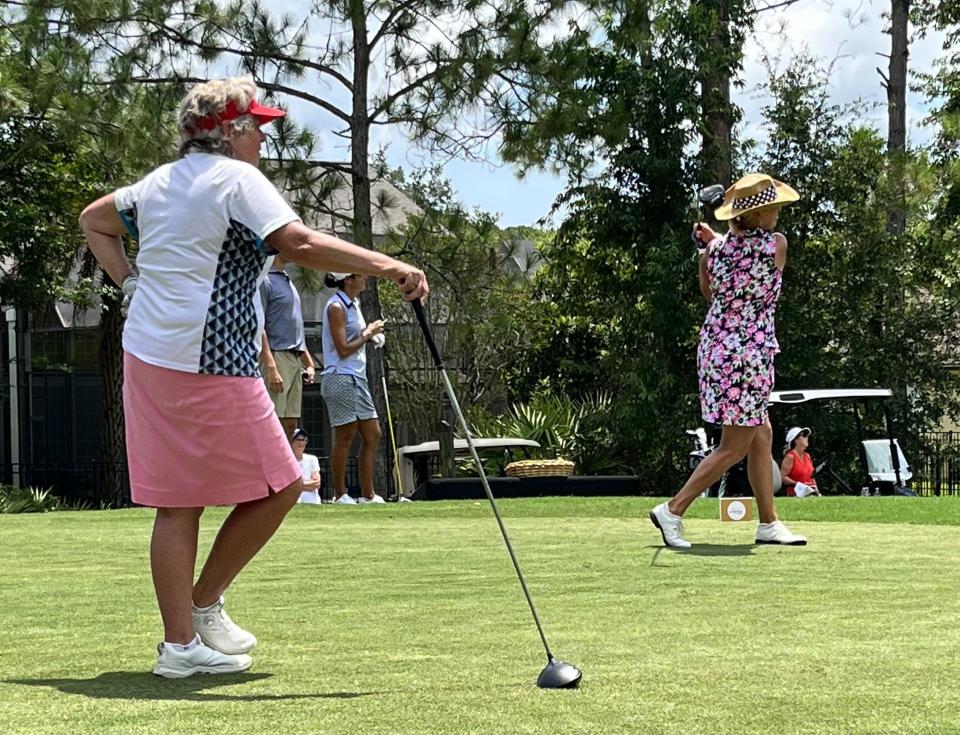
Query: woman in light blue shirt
<point x="343" y="384"/>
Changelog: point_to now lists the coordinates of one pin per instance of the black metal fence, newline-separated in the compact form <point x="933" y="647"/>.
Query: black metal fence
<point x="107" y="484"/>
<point x="85" y="484"/>
<point x="936" y="471"/>
<point x="935" y="463"/>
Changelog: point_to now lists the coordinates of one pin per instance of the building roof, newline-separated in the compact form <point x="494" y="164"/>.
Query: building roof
<point x="322" y="194"/>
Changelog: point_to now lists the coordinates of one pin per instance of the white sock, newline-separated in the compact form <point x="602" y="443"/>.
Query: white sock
<point x="208" y="608"/>
<point x="184" y="647"/>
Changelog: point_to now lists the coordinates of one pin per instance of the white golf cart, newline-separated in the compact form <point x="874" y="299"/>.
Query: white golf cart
<point x="884" y="463"/>
<point x="734" y="482"/>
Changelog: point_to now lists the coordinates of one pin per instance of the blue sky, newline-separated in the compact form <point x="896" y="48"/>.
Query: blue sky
<point x="847" y="31"/>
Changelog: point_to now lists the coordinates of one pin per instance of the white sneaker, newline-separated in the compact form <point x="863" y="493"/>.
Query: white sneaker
<point x="375" y="499"/>
<point x="345" y="500"/>
<point x="198" y="659"/>
<point x="219" y="632"/>
<point x="777" y="533"/>
<point x="670" y="525"/>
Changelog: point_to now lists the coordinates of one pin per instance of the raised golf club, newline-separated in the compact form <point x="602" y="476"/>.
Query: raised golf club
<point x="709" y="196"/>
<point x="556" y="674"/>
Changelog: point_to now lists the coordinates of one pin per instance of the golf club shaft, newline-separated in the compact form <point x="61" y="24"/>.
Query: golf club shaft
<point x="428" y="335"/>
<point x="393" y="438"/>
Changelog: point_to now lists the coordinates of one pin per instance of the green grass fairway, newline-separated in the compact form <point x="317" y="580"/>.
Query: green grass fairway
<point x="408" y="619"/>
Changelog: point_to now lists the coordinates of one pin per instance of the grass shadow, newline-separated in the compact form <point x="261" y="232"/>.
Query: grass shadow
<point x="140" y="685"/>
<point x="719" y="550"/>
<point x="703" y="550"/>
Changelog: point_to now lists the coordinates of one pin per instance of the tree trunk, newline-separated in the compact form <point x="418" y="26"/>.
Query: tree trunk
<point x="113" y="448"/>
<point x="897" y="79"/>
<point x="715" y="98"/>
<point x="645" y="36"/>
<point x="896" y="85"/>
<point x="363" y="217"/>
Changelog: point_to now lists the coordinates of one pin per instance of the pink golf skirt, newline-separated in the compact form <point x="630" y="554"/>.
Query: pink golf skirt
<point x="196" y="440"/>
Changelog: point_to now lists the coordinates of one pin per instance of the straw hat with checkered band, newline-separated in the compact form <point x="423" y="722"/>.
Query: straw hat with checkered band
<point x="753" y="192"/>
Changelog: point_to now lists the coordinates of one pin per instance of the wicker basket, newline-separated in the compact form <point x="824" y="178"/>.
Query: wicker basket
<point x="540" y="468"/>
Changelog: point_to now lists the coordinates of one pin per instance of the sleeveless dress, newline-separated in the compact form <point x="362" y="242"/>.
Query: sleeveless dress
<point x="738" y="338"/>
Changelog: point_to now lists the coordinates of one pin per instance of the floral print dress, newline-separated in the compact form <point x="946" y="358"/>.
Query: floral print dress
<point x="738" y="340"/>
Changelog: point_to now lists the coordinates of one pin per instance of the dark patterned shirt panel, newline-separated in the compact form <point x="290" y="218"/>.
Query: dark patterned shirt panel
<point x="230" y="334"/>
<point x="129" y="219"/>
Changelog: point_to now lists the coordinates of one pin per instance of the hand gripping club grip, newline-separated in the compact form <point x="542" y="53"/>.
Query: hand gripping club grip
<point x="427" y="334"/>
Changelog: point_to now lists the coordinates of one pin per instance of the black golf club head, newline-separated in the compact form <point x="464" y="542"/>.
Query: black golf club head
<point x="709" y="196"/>
<point x="559" y="675"/>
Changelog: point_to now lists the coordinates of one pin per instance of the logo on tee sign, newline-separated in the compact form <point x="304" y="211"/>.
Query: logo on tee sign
<point x="736" y="509"/>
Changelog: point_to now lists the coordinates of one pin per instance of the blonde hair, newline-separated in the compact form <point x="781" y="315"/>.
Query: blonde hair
<point x="761" y="218"/>
<point x="210" y="99"/>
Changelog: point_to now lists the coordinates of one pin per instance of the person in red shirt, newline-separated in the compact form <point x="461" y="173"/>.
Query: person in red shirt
<point x="796" y="470"/>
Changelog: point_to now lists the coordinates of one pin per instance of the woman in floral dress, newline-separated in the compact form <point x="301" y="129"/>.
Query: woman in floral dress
<point x="740" y="275"/>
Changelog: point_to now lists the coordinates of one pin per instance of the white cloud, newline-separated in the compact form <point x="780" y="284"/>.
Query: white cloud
<point x="851" y="35"/>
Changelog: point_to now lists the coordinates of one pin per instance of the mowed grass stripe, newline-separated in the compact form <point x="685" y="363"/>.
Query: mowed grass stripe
<point x="386" y="621"/>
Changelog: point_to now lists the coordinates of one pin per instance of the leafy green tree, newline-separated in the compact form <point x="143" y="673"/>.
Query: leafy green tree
<point x="440" y="64"/>
<point x="46" y="180"/>
<point x="67" y="139"/>
<point x="620" y="275"/>
<point x="481" y="305"/>
<point x="726" y="25"/>
<point x="941" y="85"/>
<point x="49" y="175"/>
<point x="620" y="278"/>
<point x="863" y="306"/>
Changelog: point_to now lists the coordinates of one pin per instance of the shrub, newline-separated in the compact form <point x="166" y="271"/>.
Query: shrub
<point x="29" y="500"/>
<point x="576" y="430"/>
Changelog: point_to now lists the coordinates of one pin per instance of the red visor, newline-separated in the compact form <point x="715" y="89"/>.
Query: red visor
<point x="263" y="114"/>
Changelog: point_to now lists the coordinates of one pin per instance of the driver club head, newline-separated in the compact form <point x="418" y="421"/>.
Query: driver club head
<point x="711" y="196"/>
<point x="559" y="675"/>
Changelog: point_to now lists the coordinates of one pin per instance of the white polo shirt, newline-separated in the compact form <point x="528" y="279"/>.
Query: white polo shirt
<point x="201" y="221"/>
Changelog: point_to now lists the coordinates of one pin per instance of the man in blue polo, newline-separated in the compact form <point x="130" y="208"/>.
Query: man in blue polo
<point x="285" y="361"/>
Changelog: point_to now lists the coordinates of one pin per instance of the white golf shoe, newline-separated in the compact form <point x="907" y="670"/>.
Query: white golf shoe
<point x="219" y="632"/>
<point x="670" y="525"/>
<point x="345" y="500"/>
<point x="179" y="662"/>
<point x="375" y="499"/>
<point x="778" y="533"/>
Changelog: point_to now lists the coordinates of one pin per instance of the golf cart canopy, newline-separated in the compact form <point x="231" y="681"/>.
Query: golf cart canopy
<point x="831" y="394"/>
<point x="882" y="459"/>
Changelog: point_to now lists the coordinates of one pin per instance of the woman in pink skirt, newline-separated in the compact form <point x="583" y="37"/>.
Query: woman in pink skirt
<point x="200" y="427"/>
